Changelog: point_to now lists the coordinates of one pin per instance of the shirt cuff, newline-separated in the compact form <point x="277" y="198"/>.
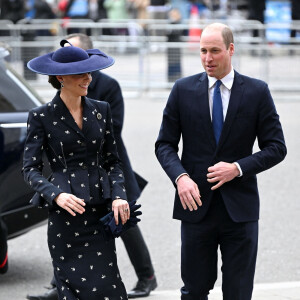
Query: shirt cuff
<point x="239" y="168"/>
<point x="180" y="176"/>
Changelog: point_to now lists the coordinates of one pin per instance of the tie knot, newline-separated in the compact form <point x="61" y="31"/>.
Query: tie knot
<point x="218" y="83"/>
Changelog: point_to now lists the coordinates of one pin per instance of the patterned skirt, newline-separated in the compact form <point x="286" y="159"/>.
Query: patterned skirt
<point x="85" y="265"/>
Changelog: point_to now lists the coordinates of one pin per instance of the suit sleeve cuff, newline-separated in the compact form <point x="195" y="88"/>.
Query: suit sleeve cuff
<point x="239" y="168"/>
<point x="180" y="176"/>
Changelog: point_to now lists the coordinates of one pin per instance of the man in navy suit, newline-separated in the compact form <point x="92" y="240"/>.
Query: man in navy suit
<point x="217" y="197"/>
<point x="106" y="88"/>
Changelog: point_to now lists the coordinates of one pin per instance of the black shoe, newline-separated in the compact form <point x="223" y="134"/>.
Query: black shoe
<point x="51" y="294"/>
<point x="143" y="288"/>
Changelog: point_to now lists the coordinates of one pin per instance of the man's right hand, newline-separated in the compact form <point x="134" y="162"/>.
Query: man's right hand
<point x="188" y="193"/>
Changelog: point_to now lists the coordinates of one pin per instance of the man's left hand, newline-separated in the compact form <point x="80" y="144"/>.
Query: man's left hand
<point x="221" y="172"/>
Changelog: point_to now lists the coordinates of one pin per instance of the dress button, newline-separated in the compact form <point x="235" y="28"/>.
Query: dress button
<point x="84" y="167"/>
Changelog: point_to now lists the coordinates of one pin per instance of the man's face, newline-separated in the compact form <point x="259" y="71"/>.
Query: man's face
<point x="215" y="58"/>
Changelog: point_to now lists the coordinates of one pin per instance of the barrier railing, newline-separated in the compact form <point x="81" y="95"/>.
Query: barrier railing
<point x="151" y="54"/>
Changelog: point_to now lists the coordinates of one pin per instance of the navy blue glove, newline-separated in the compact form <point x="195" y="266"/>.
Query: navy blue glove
<point x="111" y="230"/>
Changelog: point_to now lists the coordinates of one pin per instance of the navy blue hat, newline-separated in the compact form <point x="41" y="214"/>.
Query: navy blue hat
<point x="70" y="60"/>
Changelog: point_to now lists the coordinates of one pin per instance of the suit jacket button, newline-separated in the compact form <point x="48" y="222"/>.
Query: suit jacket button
<point x="99" y="116"/>
<point x="82" y="144"/>
<point x="84" y="167"/>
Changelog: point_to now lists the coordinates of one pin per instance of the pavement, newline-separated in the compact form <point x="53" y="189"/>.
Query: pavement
<point x="267" y="291"/>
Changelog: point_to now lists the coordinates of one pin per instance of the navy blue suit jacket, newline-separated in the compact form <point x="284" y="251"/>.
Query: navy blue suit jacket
<point x="251" y="115"/>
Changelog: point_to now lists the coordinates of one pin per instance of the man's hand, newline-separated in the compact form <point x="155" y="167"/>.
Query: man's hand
<point x="188" y="193"/>
<point x="222" y="172"/>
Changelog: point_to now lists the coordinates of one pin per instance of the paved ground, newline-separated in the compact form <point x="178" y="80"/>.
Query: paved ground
<point x="274" y="291"/>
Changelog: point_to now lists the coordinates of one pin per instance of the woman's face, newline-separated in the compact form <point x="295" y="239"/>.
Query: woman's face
<point x="77" y="84"/>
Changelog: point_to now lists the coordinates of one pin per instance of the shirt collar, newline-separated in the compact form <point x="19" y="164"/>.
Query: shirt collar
<point x="227" y="80"/>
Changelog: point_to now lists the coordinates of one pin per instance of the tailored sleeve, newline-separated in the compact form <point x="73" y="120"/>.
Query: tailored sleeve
<point x="269" y="136"/>
<point x="115" y="99"/>
<point x="112" y="161"/>
<point x="32" y="159"/>
<point x="166" y="146"/>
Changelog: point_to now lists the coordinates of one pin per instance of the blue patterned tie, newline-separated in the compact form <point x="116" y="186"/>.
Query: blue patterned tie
<point x="217" y="111"/>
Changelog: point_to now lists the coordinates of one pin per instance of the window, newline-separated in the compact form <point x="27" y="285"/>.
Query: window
<point x="15" y="94"/>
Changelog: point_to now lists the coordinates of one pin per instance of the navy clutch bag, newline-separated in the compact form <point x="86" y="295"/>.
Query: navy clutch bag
<point x="111" y="230"/>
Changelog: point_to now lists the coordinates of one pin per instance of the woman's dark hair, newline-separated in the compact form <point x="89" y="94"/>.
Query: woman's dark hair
<point x="54" y="82"/>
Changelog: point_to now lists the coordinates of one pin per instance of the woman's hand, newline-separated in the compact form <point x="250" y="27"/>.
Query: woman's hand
<point x="120" y="206"/>
<point x="70" y="203"/>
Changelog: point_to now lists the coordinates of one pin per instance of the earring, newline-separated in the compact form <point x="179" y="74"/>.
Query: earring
<point x="61" y="84"/>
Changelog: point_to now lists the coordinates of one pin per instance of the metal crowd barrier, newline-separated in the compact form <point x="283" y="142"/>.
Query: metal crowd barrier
<point x="151" y="54"/>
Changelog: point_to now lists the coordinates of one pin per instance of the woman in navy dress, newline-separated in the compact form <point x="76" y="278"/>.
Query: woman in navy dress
<point x="86" y="180"/>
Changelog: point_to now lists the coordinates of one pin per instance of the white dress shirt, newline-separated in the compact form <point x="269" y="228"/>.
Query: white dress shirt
<point x="225" y="89"/>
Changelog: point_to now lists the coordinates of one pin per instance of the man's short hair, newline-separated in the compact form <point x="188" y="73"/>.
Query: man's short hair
<point x="85" y="41"/>
<point x="227" y="36"/>
<point x="226" y="32"/>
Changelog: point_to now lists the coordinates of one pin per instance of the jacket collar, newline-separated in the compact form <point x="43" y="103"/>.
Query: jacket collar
<point x="94" y="81"/>
<point x="63" y="114"/>
<point x="234" y="102"/>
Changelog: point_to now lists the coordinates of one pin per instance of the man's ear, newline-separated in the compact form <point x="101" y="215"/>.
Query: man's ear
<point x="231" y="49"/>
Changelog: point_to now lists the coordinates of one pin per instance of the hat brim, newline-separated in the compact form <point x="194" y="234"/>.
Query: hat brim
<point x="46" y="66"/>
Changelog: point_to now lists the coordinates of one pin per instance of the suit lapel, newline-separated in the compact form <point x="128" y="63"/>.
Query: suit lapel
<point x="63" y="114"/>
<point x="234" y="103"/>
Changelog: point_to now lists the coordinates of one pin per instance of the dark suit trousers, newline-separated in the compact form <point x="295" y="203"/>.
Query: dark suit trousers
<point x="199" y="254"/>
<point x="138" y="252"/>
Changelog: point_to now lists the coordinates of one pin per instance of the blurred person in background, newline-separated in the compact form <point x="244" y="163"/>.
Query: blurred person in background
<point x="117" y="10"/>
<point x="43" y="10"/>
<point x="256" y="11"/>
<point x="73" y="9"/>
<point x="138" y="9"/>
<point x="12" y="10"/>
<point x="106" y="88"/>
<point x="174" y="53"/>
<point x="77" y="9"/>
